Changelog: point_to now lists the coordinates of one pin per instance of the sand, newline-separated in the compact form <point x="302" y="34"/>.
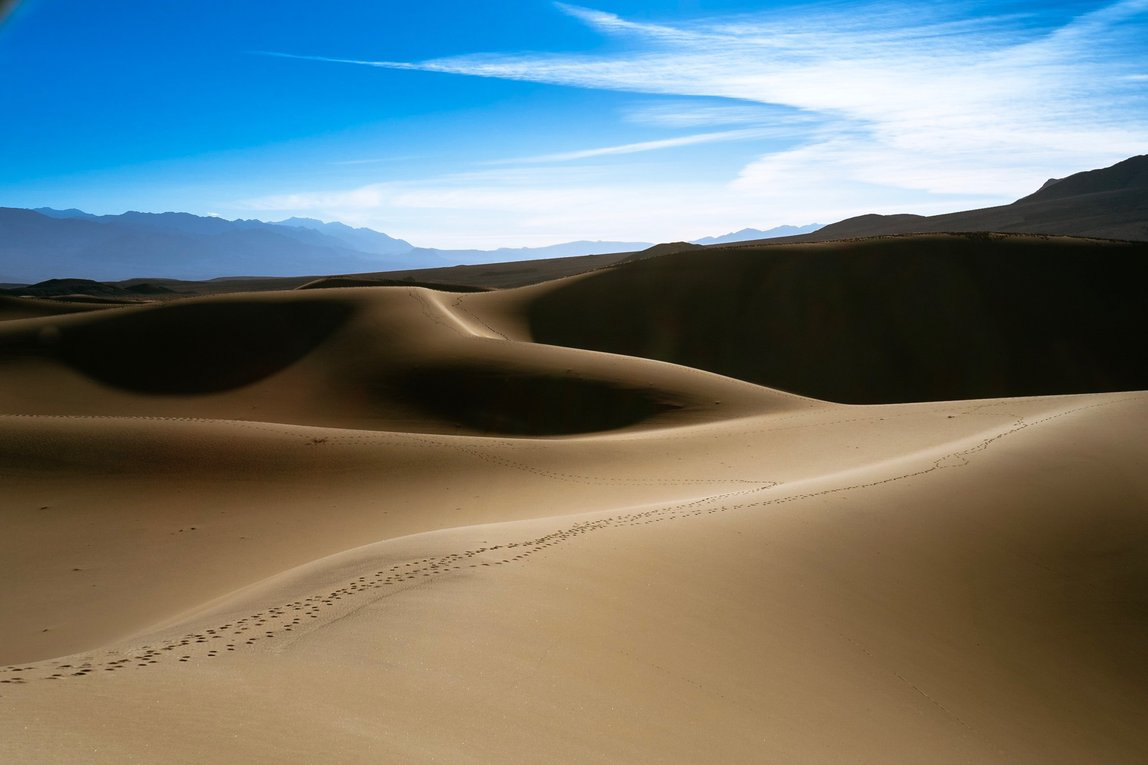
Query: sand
<point x="263" y="528"/>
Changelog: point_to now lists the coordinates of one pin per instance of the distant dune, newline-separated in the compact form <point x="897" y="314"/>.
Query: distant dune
<point x="25" y="308"/>
<point x="550" y="524"/>
<point x="329" y="282"/>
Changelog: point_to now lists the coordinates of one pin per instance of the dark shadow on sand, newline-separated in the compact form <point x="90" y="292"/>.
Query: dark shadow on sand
<point x="197" y="348"/>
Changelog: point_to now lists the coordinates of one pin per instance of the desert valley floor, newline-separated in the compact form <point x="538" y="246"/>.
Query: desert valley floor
<point x="392" y="525"/>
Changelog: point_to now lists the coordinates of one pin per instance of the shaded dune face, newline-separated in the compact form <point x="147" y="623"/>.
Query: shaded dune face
<point x="339" y="282"/>
<point x="529" y="403"/>
<point x="920" y="318"/>
<point x="12" y="308"/>
<point x="391" y="359"/>
<point x="197" y="348"/>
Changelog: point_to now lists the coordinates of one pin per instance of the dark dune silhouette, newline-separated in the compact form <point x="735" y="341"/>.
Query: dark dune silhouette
<point x="884" y="320"/>
<point x="1109" y="203"/>
<point x="333" y="282"/>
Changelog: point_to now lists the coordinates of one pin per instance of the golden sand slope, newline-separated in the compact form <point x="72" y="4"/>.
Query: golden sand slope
<point x="313" y="553"/>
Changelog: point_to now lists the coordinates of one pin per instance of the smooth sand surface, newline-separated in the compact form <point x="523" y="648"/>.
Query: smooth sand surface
<point x="383" y="525"/>
<point x="873" y="321"/>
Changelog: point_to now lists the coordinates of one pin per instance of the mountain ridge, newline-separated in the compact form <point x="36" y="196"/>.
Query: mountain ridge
<point x="753" y="234"/>
<point x="44" y="243"/>
<point x="1105" y="203"/>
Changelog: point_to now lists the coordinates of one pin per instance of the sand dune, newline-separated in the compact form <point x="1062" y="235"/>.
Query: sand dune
<point x="884" y="320"/>
<point x="391" y="525"/>
<point x="392" y="359"/>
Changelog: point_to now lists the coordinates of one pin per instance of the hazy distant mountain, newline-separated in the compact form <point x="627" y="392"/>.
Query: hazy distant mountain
<point x="35" y="246"/>
<point x="375" y="242"/>
<point x="508" y="254"/>
<point x="43" y="244"/>
<point x="361" y="239"/>
<point x="71" y="212"/>
<point x="751" y="234"/>
<point x="1110" y="203"/>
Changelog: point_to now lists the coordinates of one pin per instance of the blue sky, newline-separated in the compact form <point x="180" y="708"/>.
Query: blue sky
<point x="485" y="124"/>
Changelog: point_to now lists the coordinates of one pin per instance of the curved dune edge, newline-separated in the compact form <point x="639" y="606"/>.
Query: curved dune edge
<point x="15" y="308"/>
<point x="940" y="606"/>
<point x="872" y="321"/>
<point x="386" y="359"/>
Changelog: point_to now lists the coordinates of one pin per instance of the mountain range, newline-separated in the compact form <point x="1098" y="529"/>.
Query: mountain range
<point x="753" y="234"/>
<point x="1109" y="203"/>
<point x="46" y="243"/>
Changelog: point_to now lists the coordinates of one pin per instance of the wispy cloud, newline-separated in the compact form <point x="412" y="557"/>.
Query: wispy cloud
<point x="641" y="146"/>
<point x="613" y="24"/>
<point x="907" y="97"/>
<point x="890" y="107"/>
<point x="697" y="112"/>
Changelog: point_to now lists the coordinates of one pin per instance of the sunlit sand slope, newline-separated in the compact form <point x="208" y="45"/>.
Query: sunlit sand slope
<point x="597" y="558"/>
